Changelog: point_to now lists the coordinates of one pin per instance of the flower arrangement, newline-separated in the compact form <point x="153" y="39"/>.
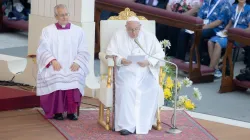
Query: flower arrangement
<point x="181" y="7"/>
<point x="183" y="101"/>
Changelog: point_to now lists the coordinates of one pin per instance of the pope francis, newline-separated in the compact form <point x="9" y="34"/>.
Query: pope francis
<point x="137" y="87"/>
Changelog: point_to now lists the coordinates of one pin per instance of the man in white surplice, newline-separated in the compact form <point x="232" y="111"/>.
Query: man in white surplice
<point x="137" y="87"/>
<point x="62" y="58"/>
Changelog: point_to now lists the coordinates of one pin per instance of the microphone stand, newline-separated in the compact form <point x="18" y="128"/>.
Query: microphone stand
<point x="113" y="112"/>
<point x="173" y="129"/>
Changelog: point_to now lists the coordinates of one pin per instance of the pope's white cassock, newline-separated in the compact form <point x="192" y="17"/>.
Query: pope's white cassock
<point x="66" y="45"/>
<point x="137" y="88"/>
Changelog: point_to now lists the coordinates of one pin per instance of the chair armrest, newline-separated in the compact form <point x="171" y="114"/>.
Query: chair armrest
<point x="239" y="35"/>
<point x="239" y="32"/>
<point x="102" y="57"/>
<point x="110" y="63"/>
<point x="107" y="61"/>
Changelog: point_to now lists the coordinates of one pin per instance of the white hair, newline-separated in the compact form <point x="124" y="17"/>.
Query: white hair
<point x="133" y="18"/>
<point x="59" y="6"/>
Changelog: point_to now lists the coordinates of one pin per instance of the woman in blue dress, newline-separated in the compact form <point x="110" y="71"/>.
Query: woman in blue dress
<point x="239" y="19"/>
<point x="216" y="15"/>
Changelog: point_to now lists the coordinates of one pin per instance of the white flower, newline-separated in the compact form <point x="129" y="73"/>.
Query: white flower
<point x="187" y="83"/>
<point x="165" y="43"/>
<point x="197" y="94"/>
<point x="182" y="99"/>
<point x="180" y="102"/>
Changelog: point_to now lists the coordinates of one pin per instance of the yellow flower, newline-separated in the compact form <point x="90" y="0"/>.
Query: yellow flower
<point x="178" y="85"/>
<point x="167" y="93"/>
<point x="169" y="83"/>
<point x="189" y="105"/>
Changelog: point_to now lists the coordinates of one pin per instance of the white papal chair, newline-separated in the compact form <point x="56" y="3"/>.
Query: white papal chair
<point x="107" y="28"/>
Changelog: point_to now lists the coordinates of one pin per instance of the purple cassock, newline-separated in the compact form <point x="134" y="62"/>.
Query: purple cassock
<point x="61" y="101"/>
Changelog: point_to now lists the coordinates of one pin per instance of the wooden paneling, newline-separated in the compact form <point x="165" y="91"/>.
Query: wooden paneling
<point x="78" y="10"/>
<point x="71" y="9"/>
<point x="52" y="5"/>
<point x="48" y="8"/>
<point x="36" y="24"/>
<point x="34" y="7"/>
<point x="84" y="10"/>
<point x="65" y="2"/>
<point x="41" y="7"/>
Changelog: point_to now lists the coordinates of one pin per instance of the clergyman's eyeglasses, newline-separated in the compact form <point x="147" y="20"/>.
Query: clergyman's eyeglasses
<point x="63" y="15"/>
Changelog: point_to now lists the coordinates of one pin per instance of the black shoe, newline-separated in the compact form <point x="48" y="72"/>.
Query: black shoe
<point x="72" y="117"/>
<point x="125" y="132"/>
<point x="58" y="116"/>
<point x="244" y="76"/>
<point x="242" y="71"/>
<point x="241" y="77"/>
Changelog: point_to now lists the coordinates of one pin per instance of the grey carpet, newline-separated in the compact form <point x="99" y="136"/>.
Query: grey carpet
<point x="15" y="51"/>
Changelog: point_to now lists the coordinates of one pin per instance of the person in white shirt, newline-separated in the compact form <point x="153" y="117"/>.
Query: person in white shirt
<point x="62" y="58"/>
<point x="137" y="87"/>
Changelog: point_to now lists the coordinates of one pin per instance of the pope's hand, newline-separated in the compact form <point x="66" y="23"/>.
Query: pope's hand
<point x="125" y="62"/>
<point x="56" y="65"/>
<point x="74" y="67"/>
<point x="144" y="63"/>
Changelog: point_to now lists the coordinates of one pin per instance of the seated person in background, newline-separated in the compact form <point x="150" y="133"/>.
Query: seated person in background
<point x="246" y="59"/>
<point x="185" y="7"/>
<point x="155" y="3"/>
<point x="240" y="19"/>
<point x="137" y="87"/>
<point x="160" y="28"/>
<point x="245" y="73"/>
<point x="216" y="15"/>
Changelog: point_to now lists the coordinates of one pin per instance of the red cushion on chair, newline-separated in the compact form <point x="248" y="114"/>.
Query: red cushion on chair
<point x="20" y="24"/>
<point x="245" y="84"/>
<point x="185" y="67"/>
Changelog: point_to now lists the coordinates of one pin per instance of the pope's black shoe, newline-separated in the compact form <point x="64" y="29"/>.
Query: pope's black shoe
<point x="58" y="116"/>
<point x="72" y="117"/>
<point x="125" y="132"/>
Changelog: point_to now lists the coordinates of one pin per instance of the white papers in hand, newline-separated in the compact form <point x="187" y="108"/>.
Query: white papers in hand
<point x="221" y="34"/>
<point x="189" y="31"/>
<point x="136" y="58"/>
